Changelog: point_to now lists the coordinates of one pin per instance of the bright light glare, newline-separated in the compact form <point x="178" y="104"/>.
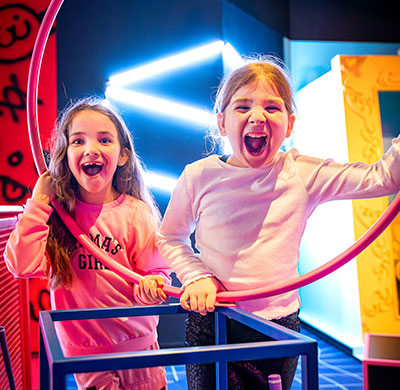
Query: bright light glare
<point x="11" y="209"/>
<point x="227" y="147"/>
<point x="160" y="105"/>
<point x="231" y="58"/>
<point x="164" y="183"/>
<point x="167" y="64"/>
<point x="106" y="103"/>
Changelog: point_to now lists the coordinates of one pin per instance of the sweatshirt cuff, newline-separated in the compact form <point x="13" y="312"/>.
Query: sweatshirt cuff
<point x="39" y="209"/>
<point x="396" y="144"/>
<point x="193" y="279"/>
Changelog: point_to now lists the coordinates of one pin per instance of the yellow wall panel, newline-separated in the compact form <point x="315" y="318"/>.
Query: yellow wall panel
<point x="363" y="77"/>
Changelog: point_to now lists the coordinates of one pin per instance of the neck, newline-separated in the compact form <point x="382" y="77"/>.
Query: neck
<point x="99" y="198"/>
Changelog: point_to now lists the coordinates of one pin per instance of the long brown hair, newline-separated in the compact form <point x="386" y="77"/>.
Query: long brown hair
<point x="128" y="179"/>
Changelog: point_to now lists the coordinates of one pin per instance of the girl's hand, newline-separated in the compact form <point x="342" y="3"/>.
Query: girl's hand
<point x="151" y="289"/>
<point x="43" y="191"/>
<point x="200" y="295"/>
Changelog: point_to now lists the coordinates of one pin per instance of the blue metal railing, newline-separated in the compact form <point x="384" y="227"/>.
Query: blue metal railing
<point x="54" y="366"/>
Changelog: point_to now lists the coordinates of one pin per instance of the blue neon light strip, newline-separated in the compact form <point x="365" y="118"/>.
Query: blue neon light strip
<point x="167" y="64"/>
<point x="231" y="60"/>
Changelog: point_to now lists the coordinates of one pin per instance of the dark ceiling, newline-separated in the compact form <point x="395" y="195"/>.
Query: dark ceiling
<point x="333" y="20"/>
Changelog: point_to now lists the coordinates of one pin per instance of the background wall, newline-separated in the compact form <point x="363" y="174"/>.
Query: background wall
<point x="128" y="33"/>
<point x="19" y="25"/>
<point x="125" y="34"/>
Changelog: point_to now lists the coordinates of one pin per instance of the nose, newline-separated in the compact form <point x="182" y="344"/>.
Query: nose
<point x="92" y="148"/>
<point x="257" y="116"/>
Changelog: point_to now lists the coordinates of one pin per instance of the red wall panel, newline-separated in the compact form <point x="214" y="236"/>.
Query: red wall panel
<point x="19" y="25"/>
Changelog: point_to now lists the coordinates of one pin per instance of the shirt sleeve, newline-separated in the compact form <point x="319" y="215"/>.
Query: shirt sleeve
<point x="25" y="250"/>
<point x="326" y="180"/>
<point x="147" y="258"/>
<point x="173" y="239"/>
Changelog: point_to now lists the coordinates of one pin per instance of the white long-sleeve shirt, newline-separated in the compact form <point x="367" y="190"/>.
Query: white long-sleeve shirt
<point x="249" y="221"/>
<point x="125" y="230"/>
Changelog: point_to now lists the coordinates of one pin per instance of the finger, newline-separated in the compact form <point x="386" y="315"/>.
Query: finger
<point x="156" y="292"/>
<point x="161" y="295"/>
<point x="148" y="289"/>
<point x="142" y="287"/>
<point x="210" y="301"/>
<point x="159" y="280"/>
<point x="152" y="289"/>
<point x="142" y="290"/>
<point x="185" y="301"/>
<point x="193" y="303"/>
<point x="201" y="305"/>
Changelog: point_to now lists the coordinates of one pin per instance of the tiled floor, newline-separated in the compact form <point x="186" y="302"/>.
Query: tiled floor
<point x="337" y="371"/>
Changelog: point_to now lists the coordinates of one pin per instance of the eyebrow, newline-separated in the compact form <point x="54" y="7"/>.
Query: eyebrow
<point x="244" y="100"/>
<point x="240" y="100"/>
<point x="100" y="132"/>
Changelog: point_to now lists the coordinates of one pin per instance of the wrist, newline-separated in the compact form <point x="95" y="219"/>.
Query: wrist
<point x="41" y="198"/>
<point x="196" y="279"/>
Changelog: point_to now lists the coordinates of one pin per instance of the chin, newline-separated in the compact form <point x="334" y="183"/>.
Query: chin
<point x="258" y="162"/>
<point x="257" y="165"/>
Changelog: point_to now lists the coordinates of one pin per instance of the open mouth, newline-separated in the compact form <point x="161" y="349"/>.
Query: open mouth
<point x="92" y="169"/>
<point x="255" y="143"/>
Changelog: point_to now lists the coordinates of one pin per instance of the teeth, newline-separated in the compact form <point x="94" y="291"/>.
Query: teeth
<point x="256" y="135"/>
<point x="93" y="168"/>
<point x="92" y="163"/>
<point x="255" y="143"/>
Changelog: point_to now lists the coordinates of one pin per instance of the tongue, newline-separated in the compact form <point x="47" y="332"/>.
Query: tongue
<point x="254" y="144"/>
<point x="92" y="170"/>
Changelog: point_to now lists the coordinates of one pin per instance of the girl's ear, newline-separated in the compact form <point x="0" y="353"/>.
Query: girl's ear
<point x="292" y="118"/>
<point x="221" y="124"/>
<point x="123" y="158"/>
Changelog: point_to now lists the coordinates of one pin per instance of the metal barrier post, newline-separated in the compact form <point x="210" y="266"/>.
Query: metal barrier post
<point x="221" y="367"/>
<point x="285" y="343"/>
<point x="6" y="358"/>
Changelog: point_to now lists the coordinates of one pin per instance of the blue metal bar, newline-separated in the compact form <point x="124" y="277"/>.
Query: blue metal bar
<point x="286" y="343"/>
<point x="273" y="330"/>
<point x="44" y="369"/>
<point x="221" y="366"/>
<point x="114" y="312"/>
<point x="50" y="338"/>
<point x="309" y="369"/>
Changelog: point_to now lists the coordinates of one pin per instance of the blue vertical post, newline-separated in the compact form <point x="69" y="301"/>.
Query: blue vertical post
<point x="58" y="377"/>
<point x="221" y="367"/>
<point x="44" y="372"/>
<point x="309" y="372"/>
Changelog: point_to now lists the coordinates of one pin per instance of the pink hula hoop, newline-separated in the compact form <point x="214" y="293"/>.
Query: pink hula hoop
<point x="227" y="296"/>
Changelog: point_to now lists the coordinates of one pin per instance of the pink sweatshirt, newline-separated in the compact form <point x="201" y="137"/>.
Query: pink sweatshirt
<point x="125" y="229"/>
<point x="249" y="221"/>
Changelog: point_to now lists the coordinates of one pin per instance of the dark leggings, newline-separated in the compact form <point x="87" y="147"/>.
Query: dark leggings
<point x="244" y="375"/>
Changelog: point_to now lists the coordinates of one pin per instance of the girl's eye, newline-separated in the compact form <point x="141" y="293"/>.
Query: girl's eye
<point x="105" y="141"/>
<point x="76" y="141"/>
<point x="272" y="108"/>
<point x="242" y="108"/>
